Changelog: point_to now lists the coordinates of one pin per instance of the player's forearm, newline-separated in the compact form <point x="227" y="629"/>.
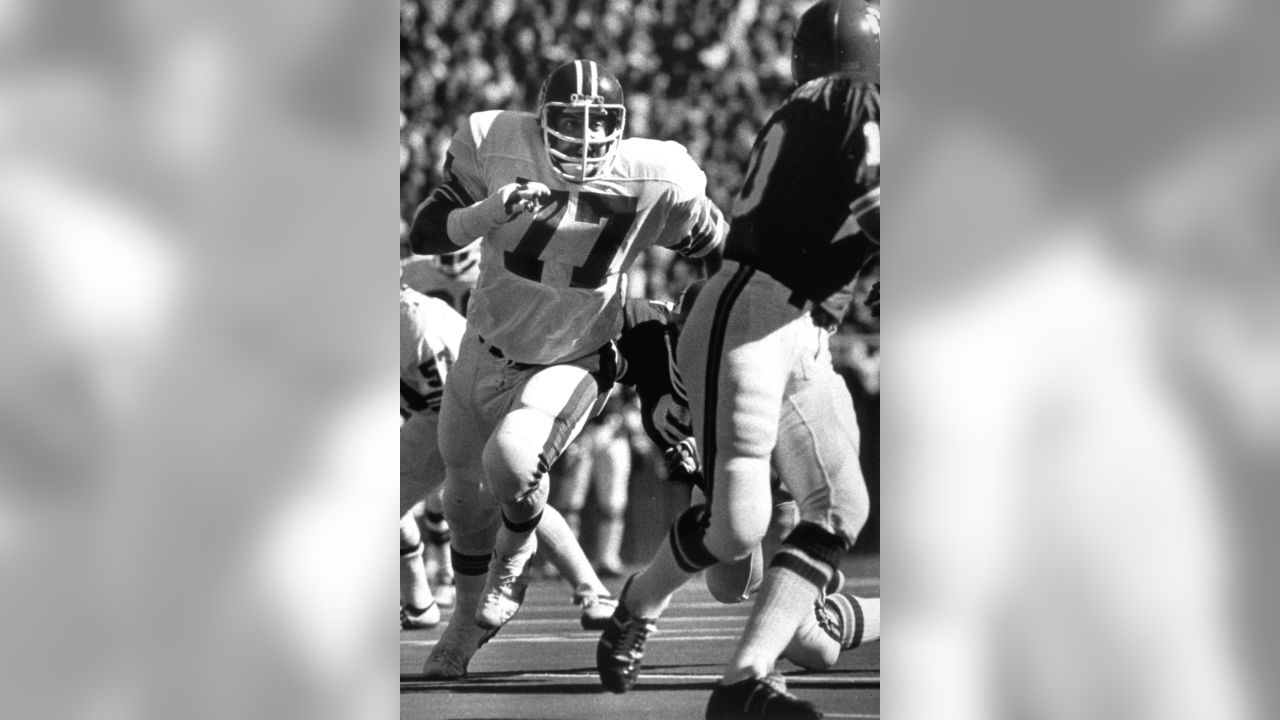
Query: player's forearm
<point x="444" y="225"/>
<point x="429" y="234"/>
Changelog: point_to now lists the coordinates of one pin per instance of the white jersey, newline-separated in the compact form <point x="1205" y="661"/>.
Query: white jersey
<point x="430" y="333"/>
<point x="552" y="286"/>
<point x="424" y="275"/>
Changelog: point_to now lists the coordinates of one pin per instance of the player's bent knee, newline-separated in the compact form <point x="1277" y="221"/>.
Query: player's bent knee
<point x="514" y="462"/>
<point x="812" y="552"/>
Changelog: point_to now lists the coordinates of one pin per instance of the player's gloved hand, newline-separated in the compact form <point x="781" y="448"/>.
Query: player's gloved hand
<point x="683" y="465"/>
<point x="671" y="420"/>
<point x="506" y="204"/>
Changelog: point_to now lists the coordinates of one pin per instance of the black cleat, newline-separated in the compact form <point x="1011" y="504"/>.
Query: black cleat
<point x="621" y="648"/>
<point x="757" y="698"/>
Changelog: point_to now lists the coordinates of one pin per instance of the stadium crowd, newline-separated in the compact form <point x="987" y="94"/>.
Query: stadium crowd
<point x="705" y="73"/>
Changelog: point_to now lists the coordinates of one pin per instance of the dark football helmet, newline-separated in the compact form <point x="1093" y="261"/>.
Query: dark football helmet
<point x="837" y="36"/>
<point x="586" y="87"/>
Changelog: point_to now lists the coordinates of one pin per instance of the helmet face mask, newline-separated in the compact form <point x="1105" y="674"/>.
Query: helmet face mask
<point x="837" y="36"/>
<point x="575" y="97"/>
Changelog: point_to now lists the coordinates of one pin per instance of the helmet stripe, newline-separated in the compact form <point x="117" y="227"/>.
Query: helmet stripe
<point x="595" y="89"/>
<point x="577" y="66"/>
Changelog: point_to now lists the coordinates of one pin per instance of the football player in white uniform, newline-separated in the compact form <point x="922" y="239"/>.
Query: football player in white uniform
<point x="564" y="205"/>
<point x="448" y="278"/>
<point x="430" y="336"/>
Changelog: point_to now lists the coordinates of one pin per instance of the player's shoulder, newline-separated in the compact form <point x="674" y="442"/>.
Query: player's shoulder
<point x="659" y="160"/>
<point x="837" y="94"/>
<point x="500" y="126"/>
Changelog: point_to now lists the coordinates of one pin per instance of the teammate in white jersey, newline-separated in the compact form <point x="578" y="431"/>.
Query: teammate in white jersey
<point x="430" y="336"/>
<point x="430" y="332"/>
<point x="564" y="205"/>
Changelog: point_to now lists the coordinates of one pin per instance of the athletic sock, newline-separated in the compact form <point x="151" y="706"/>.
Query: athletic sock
<point x="651" y="590"/>
<point x="867" y="612"/>
<point x="610" y="533"/>
<point x="785" y="597"/>
<point x="561" y="547"/>
<point x="415" y="590"/>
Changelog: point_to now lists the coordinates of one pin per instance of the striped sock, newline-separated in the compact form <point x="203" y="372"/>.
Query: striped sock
<point x="785" y="599"/>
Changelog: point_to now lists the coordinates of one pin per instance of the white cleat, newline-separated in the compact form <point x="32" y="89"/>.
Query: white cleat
<point x="420" y="620"/>
<point x="505" y="587"/>
<point x="596" y="608"/>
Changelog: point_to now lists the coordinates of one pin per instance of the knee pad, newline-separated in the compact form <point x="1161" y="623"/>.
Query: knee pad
<point x="688" y="540"/>
<point x="514" y="462"/>
<point x="734" y="582"/>
<point x="812" y="552"/>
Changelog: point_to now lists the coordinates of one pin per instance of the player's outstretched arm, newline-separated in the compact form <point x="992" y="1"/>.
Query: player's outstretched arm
<point x="445" y="223"/>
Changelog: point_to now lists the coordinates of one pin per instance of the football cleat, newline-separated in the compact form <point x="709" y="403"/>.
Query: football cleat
<point x="414" y="619"/>
<point x="758" y="698"/>
<point x="620" y="651"/>
<point x="597" y="609"/>
<point x="451" y="655"/>
<point x="505" y="587"/>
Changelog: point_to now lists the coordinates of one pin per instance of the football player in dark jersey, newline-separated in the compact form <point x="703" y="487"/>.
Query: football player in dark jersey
<point x="755" y="360"/>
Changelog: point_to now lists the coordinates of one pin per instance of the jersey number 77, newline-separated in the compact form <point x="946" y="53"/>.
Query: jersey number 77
<point x="598" y="221"/>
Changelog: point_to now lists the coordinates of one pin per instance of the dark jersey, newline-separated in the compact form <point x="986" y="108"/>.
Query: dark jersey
<point x="647" y="347"/>
<point x="808" y="213"/>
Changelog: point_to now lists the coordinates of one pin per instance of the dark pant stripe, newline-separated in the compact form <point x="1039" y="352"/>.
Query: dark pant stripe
<point x="715" y="353"/>
<point x="580" y="402"/>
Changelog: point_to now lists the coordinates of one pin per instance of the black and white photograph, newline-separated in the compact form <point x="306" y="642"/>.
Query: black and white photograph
<point x="647" y="320"/>
<point x="639" y="359"/>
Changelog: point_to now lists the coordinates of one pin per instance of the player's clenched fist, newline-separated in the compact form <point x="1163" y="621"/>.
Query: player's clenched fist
<point x="525" y="197"/>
